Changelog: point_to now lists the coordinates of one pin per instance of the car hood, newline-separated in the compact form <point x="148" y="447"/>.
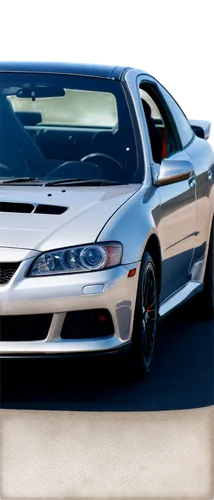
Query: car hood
<point x="85" y="210"/>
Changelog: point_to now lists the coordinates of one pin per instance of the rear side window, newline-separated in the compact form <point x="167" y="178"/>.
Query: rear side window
<point x="79" y="108"/>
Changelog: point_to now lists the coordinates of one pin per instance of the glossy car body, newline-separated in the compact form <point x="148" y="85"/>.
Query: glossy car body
<point x="169" y="213"/>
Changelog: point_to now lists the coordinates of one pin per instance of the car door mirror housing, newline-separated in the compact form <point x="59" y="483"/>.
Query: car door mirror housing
<point x="201" y="128"/>
<point x="173" y="170"/>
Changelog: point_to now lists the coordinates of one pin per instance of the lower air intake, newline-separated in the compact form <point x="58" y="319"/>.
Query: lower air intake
<point x="93" y="323"/>
<point x="24" y="328"/>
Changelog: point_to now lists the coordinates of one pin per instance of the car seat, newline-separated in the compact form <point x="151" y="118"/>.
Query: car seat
<point x="18" y="151"/>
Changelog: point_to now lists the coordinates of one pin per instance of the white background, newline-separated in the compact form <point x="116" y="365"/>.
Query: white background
<point x="123" y="59"/>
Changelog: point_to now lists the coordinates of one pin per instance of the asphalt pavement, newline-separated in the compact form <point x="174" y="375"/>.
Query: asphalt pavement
<point x="87" y="429"/>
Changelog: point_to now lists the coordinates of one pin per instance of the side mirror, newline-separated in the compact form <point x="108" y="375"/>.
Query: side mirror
<point x="174" y="170"/>
<point x="201" y="128"/>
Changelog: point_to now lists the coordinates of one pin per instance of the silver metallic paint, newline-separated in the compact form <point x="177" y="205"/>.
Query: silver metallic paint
<point x="179" y="215"/>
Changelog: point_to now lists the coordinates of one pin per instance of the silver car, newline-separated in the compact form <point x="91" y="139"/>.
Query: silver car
<point x="106" y="210"/>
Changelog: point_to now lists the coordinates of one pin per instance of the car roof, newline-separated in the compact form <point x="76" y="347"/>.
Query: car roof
<point x="92" y="70"/>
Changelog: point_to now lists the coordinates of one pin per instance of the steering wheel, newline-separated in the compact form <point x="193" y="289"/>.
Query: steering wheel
<point x="68" y="164"/>
<point x="102" y="155"/>
<point x="71" y="168"/>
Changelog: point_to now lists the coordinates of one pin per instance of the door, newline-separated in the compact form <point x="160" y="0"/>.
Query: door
<point x="177" y="229"/>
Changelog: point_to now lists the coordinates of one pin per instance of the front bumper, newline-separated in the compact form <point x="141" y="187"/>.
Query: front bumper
<point x="109" y="289"/>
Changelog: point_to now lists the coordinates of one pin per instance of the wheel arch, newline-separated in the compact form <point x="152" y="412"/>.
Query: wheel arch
<point x="211" y="231"/>
<point x="153" y="248"/>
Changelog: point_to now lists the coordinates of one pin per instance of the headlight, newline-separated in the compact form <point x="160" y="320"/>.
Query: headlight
<point x="77" y="259"/>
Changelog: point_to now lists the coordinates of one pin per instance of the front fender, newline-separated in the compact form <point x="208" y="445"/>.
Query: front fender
<point x="133" y="224"/>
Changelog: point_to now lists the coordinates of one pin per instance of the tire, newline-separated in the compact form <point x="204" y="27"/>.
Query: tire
<point x="208" y="293"/>
<point x="145" y="320"/>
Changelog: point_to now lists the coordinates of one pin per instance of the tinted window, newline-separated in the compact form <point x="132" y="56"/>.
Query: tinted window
<point x="181" y="121"/>
<point x="60" y="127"/>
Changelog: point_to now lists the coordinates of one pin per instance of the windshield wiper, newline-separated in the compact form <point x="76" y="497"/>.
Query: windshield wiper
<point x="62" y="182"/>
<point x="93" y="182"/>
<point x="19" y="180"/>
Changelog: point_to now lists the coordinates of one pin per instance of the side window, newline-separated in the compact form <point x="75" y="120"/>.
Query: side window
<point x="184" y="129"/>
<point x="162" y="132"/>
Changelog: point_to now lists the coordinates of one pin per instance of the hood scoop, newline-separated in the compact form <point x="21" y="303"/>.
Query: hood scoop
<point x="29" y="208"/>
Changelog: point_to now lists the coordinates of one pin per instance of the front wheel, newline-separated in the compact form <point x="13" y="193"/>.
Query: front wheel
<point x="146" y="318"/>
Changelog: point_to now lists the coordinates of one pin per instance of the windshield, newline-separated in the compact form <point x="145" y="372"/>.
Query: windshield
<point x="56" y="127"/>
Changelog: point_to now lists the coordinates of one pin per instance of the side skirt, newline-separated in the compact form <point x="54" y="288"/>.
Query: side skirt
<point x="182" y="295"/>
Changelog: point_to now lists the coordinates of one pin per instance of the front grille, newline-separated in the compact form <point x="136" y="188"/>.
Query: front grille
<point x="24" y="328"/>
<point x="7" y="270"/>
<point x="93" y="323"/>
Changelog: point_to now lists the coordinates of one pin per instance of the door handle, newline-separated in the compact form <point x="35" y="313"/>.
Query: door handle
<point x="210" y="176"/>
<point x="192" y="181"/>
